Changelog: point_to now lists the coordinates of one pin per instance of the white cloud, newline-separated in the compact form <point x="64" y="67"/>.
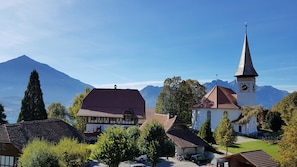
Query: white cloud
<point x="289" y="88"/>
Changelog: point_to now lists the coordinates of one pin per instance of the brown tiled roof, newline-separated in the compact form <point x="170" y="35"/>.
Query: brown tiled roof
<point x="184" y="138"/>
<point x="50" y="129"/>
<point x="163" y="119"/>
<point x="176" y="130"/>
<point x="219" y="97"/>
<point x="112" y="103"/>
<point x="258" y="158"/>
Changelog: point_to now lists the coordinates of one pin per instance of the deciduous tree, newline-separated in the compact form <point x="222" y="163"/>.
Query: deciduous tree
<point x="113" y="147"/>
<point x="71" y="153"/>
<point x="33" y="107"/>
<point x="178" y="97"/>
<point x="288" y="144"/>
<point x="39" y="153"/>
<point x="79" y="122"/>
<point x="154" y="142"/>
<point x="56" y="110"/>
<point x="287" y="107"/>
<point x="224" y="134"/>
<point x="2" y="115"/>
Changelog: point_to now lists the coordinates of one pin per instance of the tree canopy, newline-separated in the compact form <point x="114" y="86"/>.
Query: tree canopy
<point x="71" y="153"/>
<point x="56" y="110"/>
<point x="39" y="153"/>
<point x="178" y="97"/>
<point x="66" y="153"/>
<point x="288" y="144"/>
<point x="79" y="122"/>
<point x="287" y="107"/>
<point x="2" y="115"/>
<point x="114" y="146"/>
<point x="205" y="132"/>
<point x="154" y="142"/>
<point x="224" y="134"/>
<point x="33" y="107"/>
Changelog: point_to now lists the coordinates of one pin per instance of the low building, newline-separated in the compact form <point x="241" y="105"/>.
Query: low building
<point x="109" y="107"/>
<point x="15" y="136"/>
<point x="256" y="158"/>
<point x="186" y="142"/>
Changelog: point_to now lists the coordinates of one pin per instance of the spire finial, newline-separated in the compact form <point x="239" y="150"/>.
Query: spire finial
<point x="246" y="24"/>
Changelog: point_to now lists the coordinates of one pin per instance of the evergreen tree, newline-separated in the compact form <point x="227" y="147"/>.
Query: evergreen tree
<point x="205" y="132"/>
<point x="274" y="121"/>
<point x="2" y="115"/>
<point x="224" y="134"/>
<point x="33" y="107"/>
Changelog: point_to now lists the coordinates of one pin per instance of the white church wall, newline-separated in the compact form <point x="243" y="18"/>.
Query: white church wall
<point x="199" y="116"/>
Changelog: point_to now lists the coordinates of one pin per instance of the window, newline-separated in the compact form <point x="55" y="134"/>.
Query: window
<point x="6" y="161"/>
<point x="2" y="146"/>
<point x="128" y="115"/>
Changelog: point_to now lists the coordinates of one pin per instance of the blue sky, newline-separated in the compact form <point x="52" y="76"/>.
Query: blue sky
<point x="134" y="43"/>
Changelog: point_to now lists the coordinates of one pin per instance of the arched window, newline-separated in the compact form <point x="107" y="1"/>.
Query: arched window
<point x="128" y="115"/>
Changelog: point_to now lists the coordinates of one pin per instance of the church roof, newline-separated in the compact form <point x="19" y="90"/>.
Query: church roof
<point x="245" y="67"/>
<point x="219" y="97"/>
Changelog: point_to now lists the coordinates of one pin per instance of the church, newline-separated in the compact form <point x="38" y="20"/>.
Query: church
<point x="221" y="99"/>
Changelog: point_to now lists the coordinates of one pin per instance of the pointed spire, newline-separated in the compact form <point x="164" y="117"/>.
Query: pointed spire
<point x="245" y="67"/>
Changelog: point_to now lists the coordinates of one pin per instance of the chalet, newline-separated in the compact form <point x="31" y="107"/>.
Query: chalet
<point x="109" y="107"/>
<point x="186" y="142"/>
<point x="256" y="158"/>
<point x="221" y="99"/>
<point x="15" y="136"/>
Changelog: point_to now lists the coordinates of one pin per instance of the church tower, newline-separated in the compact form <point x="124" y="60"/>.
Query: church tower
<point x="246" y="77"/>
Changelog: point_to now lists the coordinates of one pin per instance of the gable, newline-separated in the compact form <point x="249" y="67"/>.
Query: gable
<point x="220" y="98"/>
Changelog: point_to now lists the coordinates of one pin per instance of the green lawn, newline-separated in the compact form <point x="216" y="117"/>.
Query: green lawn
<point x="271" y="149"/>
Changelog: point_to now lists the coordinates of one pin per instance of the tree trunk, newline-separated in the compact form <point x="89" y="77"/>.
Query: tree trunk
<point x="226" y="150"/>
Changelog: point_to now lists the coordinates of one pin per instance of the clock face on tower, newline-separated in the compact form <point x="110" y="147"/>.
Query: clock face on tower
<point x="244" y="87"/>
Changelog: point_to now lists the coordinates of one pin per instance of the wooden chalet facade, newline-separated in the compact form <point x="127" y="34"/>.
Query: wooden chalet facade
<point x="109" y="107"/>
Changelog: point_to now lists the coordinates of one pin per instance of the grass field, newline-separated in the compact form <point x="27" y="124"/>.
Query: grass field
<point x="271" y="149"/>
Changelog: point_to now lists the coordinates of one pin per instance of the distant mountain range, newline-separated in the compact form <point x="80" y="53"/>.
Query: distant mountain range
<point x="59" y="87"/>
<point x="267" y="96"/>
<point x="56" y="86"/>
